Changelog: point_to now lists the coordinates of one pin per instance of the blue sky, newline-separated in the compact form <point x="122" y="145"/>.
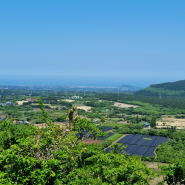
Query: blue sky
<point x="113" y="42"/>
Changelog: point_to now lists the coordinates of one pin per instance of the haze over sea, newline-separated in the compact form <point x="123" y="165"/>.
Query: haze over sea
<point x="96" y="81"/>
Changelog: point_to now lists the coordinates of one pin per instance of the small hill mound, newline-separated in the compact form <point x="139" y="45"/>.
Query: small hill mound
<point x="164" y="89"/>
<point x="129" y="88"/>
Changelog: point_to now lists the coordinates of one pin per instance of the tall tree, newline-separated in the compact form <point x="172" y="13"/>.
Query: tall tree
<point x="137" y="119"/>
<point x="153" y="122"/>
<point x="102" y="119"/>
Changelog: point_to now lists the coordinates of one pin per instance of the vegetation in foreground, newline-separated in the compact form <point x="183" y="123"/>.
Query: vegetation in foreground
<point x="24" y="147"/>
<point x="54" y="155"/>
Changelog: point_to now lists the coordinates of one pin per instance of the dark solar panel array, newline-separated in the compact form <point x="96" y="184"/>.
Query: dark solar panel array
<point x="138" y="140"/>
<point x="139" y="146"/>
<point x="107" y="150"/>
<point x="150" y="152"/>
<point x="131" y="149"/>
<point x="106" y="128"/>
<point x="83" y="134"/>
<point x="2" y="119"/>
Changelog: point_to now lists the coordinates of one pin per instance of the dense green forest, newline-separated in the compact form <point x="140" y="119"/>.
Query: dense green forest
<point x="164" y="89"/>
<point x="170" y="102"/>
<point x="177" y="86"/>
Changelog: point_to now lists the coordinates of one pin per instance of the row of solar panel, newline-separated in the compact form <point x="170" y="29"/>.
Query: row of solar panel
<point x="140" y="150"/>
<point x="137" y="150"/>
<point x="2" y="119"/>
<point x="102" y="138"/>
<point x="106" y="128"/>
<point x="139" y="140"/>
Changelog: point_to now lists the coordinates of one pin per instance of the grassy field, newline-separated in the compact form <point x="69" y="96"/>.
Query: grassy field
<point x="83" y="107"/>
<point x="68" y="100"/>
<point x="114" y="137"/>
<point x="113" y="124"/>
<point x="1" y="112"/>
<point x="180" y="123"/>
<point x="21" y="102"/>
<point x="124" y="105"/>
<point x="57" y="113"/>
<point x="113" y="120"/>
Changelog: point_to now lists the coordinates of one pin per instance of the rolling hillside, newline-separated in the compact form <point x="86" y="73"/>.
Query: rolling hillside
<point x="164" y="89"/>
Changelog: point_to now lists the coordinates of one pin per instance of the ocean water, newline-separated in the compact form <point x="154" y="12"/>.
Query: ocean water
<point x="97" y="81"/>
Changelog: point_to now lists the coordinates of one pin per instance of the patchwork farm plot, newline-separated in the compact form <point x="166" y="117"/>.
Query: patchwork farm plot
<point x="92" y="141"/>
<point x="83" y="107"/>
<point x="179" y="123"/>
<point x="124" y="105"/>
<point x="142" y="145"/>
<point x="68" y="100"/>
<point x="21" y="102"/>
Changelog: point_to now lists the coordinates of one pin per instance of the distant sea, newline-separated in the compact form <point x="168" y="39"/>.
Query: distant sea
<point x="97" y="81"/>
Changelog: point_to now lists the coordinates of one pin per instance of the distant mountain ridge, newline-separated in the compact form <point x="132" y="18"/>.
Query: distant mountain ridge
<point x="129" y="88"/>
<point x="166" y="89"/>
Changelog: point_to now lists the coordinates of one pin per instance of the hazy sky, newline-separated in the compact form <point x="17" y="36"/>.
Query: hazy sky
<point x="138" y="41"/>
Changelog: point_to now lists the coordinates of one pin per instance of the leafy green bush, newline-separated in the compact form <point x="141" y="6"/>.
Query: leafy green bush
<point x="54" y="155"/>
<point x="106" y="143"/>
<point x="174" y="173"/>
<point x="37" y="121"/>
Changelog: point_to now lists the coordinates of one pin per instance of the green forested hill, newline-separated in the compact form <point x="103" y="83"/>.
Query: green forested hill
<point x="164" y="89"/>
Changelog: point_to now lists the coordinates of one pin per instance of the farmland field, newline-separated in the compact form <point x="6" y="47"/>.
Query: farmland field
<point x="124" y="105"/>
<point x="53" y="106"/>
<point x="113" y="124"/>
<point x="114" y="137"/>
<point x="100" y="100"/>
<point x="38" y="109"/>
<point x="171" y="122"/>
<point x="68" y="100"/>
<point x="92" y="141"/>
<point x="86" y="108"/>
<point x="21" y="102"/>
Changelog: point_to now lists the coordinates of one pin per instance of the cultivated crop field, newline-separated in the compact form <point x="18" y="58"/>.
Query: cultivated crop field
<point x="171" y="122"/>
<point x="92" y="141"/>
<point x="114" y="124"/>
<point x="83" y="107"/>
<point x="21" y="102"/>
<point x="38" y="109"/>
<point x="114" y="137"/>
<point x="124" y="105"/>
<point x="68" y="100"/>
